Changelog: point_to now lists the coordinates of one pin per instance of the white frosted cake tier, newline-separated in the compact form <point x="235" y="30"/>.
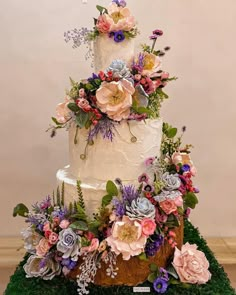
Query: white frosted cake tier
<point x="106" y="50"/>
<point x="107" y="160"/>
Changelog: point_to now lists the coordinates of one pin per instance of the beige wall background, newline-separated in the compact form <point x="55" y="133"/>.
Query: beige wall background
<point x="36" y="63"/>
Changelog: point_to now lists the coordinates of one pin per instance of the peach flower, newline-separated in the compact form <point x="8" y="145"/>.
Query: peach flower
<point x="64" y="223"/>
<point x="148" y="226"/>
<point x="62" y="111"/>
<point x="127" y="238"/>
<point x="120" y="17"/>
<point x="179" y="201"/>
<point x="92" y="247"/>
<point x="43" y="247"/>
<point x="152" y="64"/>
<point x="168" y="206"/>
<point x="191" y="265"/>
<point x="104" y="23"/>
<point x="115" y="99"/>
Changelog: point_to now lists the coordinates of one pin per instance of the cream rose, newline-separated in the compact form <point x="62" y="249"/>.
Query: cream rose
<point x="62" y="111"/>
<point x="127" y="238"/>
<point x="152" y="64"/>
<point x="191" y="265"/>
<point x="115" y="99"/>
<point x="43" y="247"/>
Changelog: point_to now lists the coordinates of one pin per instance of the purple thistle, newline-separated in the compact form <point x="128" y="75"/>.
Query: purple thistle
<point x="121" y="3"/>
<point x="104" y="127"/>
<point x="119" y="207"/>
<point x="152" y="246"/>
<point x="158" y="32"/>
<point x="129" y="193"/>
<point x="160" y="285"/>
<point x="119" y="36"/>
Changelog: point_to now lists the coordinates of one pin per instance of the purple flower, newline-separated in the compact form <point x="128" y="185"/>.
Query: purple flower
<point x="196" y="190"/>
<point x="104" y="127"/>
<point x="148" y="188"/>
<point x="121" y="3"/>
<point x="164" y="273"/>
<point x="129" y="193"/>
<point x="119" y="36"/>
<point x="152" y="246"/>
<point x="119" y="207"/>
<point x="153" y="37"/>
<point x="158" y="32"/>
<point x="143" y="178"/>
<point x="185" y="168"/>
<point x="149" y="161"/>
<point x="94" y="77"/>
<point x="160" y="285"/>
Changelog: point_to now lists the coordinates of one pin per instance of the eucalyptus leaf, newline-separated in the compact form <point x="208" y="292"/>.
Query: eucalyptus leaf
<point x="106" y="200"/>
<point x="79" y="225"/>
<point x="101" y="9"/>
<point x="173" y="281"/>
<point x="111" y="188"/>
<point x="171" y="132"/>
<point x="73" y="107"/>
<point x="153" y="267"/>
<point x="151" y="278"/>
<point x="55" y="121"/>
<point x="20" y="210"/>
<point x="171" y="270"/>
<point x="143" y="256"/>
<point x="190" y="200"/>
<point x="81" y="119"/>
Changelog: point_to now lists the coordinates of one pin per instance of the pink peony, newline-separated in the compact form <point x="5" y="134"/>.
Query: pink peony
<point x="168" y="206"/>
<point x="120" y="18"/>
<point x="191" y="265"/>
<point x="148" y="226"/>
<point x="43" y="247"/>
<point x="62" y="111"/>
<point x="127" y="238"/>
<point x="83" y="104"/>
<point x="115" y="99"/>
<point x="53" y="238"/>
<point x="92" y="247"/>
<point x="104" y="23"/>
<point x="152" y="64"/>
<point x="64" y="224"/>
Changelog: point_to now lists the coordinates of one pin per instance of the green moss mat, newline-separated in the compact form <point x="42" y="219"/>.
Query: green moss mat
<point x="218" y="285"/>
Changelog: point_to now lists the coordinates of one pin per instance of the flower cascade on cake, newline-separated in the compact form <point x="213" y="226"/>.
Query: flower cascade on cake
<point x="131" y="221"/>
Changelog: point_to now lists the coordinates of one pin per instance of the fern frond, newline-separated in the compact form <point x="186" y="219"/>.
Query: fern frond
<point x="80" y="195"/>
<point x="63" y="194"/>
<point x="58" y="196"/>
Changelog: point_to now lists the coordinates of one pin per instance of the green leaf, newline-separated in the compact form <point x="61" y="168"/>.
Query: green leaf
<point x="190" y="200"/>
<point x="89" y="86"/>
<point x="111" y="188"/>
<point x="72" y="82"/>
<point x="101" y="9"/>
<point x="172" y="221"/>
<point x="56" y="122"/>
<point x="185" y="285"/>
<point x="171" y="132"/>
<point x="73" y="107"/>
<point x="173" y="281"/>
<point x="20" y="210"/>
<point x="106" y="200"/>
<point x="151" y="278"/>
<point x="143" y="256"/>
<point x="93" y="226"/>
<point x="153" y="267"/>
<point x="79" y="225"/>
<point x="142" y="110"/>
<point x="171" y="270"/>
<point x="81" y="119"/>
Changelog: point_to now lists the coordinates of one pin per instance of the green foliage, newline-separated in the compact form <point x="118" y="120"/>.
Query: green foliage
<point x="73" y="107"/>
<point x="63" y="194"/>
<point x="190" y="200"/>
<point x="20" y="210"/>
<point x="56" y="122"/>
<point x="101" y="9"/>
<point x="172" y="221"/>
<point x="151" y="278"/>
<point x="143" y="256"/>
<point x="80" y="212"/>
<point x="80" y="195"/>
<point x="79" y="225"/>
<point x="155" y="101"/>
<point x="82" y="118"/>
<point x="111" y="188"/>
<point x="170" y="144"/>
<point x="106" y="200"/>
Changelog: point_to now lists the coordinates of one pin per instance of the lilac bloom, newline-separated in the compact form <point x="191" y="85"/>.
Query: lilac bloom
<point x="160" y="285"/>
<point x="119" y="36"/>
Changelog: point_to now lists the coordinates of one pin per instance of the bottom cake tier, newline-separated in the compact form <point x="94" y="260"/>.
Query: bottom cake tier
<point x="134" y="271"/>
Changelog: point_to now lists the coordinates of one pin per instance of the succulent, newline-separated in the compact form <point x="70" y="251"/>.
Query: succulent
<point x="119" y="69"/>
<point x="140" y="208"/>
<point x="171" y="181"/>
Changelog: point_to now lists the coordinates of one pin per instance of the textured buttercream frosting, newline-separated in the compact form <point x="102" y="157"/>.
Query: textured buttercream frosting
<point x="117" y="158"/>
<point x="106" y="50"/>
<point x="106" y="160"/>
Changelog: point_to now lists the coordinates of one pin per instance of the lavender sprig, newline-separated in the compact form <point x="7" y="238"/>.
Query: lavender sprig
<point x="105" y="127"/>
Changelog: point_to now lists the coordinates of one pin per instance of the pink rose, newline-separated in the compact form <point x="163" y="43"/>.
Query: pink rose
<point x="82" y="92"/>
<point x="43" y="247"/>
<point x="104" y="23"/>
<point x="168" y="206"/>
<point x="160" y="217"/>
<point x="191" y="265"/>
<point x="46" y="226"/>
<point x="127" y="238"/>
<point x="115" y="99"/>
<point x="64" y="224"/>
<point x="164" y="75"/>
<point x="148" y="226"/>
<point x="83" y="104"/>
<point x="179" y="201"/>
<point x="92" y="247"/>
<point x="53" y="238"/>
